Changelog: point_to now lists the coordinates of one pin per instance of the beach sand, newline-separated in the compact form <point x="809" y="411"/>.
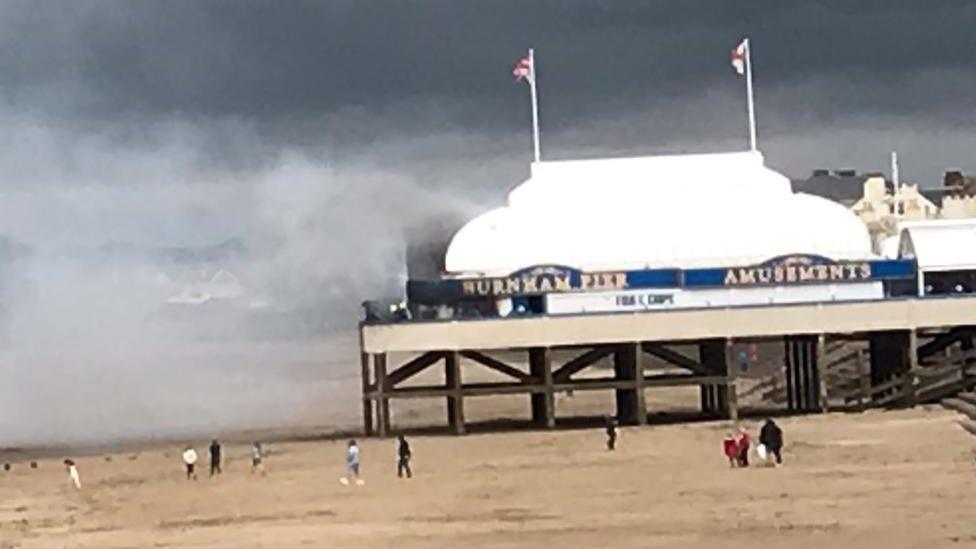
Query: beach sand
<point x="877" y="479"/>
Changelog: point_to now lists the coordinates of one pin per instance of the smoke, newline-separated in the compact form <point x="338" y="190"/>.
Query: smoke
<point x="195" y="199"/>
<point x="112" y="238"/>
<point x="174" y="282"/>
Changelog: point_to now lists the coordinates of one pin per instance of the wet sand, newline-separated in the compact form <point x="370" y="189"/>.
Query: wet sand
<point x="879" y="479"/>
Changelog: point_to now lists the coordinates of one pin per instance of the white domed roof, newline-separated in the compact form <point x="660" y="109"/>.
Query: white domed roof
<point x="708" y="210"/>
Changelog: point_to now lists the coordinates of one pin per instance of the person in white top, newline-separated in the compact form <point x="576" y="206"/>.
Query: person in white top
<point x="352" y="465"/>
<point x="73" y="475"/>
<point x="190" y="460"/>
<point x="257" y="455"/>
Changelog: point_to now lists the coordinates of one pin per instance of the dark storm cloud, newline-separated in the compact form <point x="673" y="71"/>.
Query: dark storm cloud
<point x="285" y="64"/>
<point x="333" y="76"/>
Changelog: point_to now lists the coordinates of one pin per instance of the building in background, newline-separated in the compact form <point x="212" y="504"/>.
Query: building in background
<point x="877" y="201"/>
<point x="959" y="200"/>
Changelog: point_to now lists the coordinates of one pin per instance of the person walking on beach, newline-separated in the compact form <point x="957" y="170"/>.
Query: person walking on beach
<point x="743" y="447"/>
<point x="771" y="436"/>
<point x="403" y="457"/>
<point x="731" y="449"/>
<point x="73" y="476"/>
<point x="611" y="426"/>
<point x="214" y="457"/>
<point x="352" y="465"/>
<point x="190" y="460"/>
<point x="257" y="455"/>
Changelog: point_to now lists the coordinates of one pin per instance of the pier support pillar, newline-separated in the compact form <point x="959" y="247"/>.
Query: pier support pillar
<point x="455" y="400"/>
<point x="820" y="358"/>
<point x="731" y="407"/>
<point x="639" y="383"/>
<point x="712" y="355"/>
<point x="864" y="379"/>
<point x="630" y="400"/>
<point x="365" y="360"/>
<point x="803" y="373"/>
<point x="910" y="387"/>
<point x="966" y="346"/>
<point x="382" y="401"/>
<point x="889" y="358"/>
<point x="543" y="404"/>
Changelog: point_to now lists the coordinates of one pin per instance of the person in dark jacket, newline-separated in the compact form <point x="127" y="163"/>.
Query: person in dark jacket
<point x="214" y="457"/>
<point x="403" y="457"/>
<point x="611" y="433"/>
<point x="771" y="436"/>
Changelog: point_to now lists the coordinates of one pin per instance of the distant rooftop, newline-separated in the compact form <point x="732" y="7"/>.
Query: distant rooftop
<point x="847" y="186"/>
<point x="844" y="186"/>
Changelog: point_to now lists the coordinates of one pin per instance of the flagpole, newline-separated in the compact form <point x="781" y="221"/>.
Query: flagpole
<point x="535" y="105"/>
<point x="749" y="98"/>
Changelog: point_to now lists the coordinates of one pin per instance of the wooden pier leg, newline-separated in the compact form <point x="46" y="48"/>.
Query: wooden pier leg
<point x="821" y="358"/>
<point x="711" y="355"/>
<point x="731" y="405"/>
<point x="890" y="359"/>
<point x="911" y="377"/>
<point x="639" y="384"/>
<point x="864" y="374"/>
<point x="790" y="374"/>
<point x="966" y="346"/>
<point x="800" y="347"/>
<point x="706" y="399"/>
<point x="808" y="349"/>
<point x="543" y="404"/>
<point x="383" y="402"/>
<point x="455" y="401"/>
<point x="625" y="369"/>
<point x="367" y="399"/>
<point x="802" y="350"/>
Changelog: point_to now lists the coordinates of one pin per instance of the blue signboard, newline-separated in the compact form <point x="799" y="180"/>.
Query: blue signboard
<point x="780" y="271"/>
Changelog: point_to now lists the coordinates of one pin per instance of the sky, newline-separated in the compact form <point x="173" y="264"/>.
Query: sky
<point x="319" y="133"/>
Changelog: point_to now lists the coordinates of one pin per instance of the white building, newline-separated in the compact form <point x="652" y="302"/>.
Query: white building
<point x="703" y="211"/>
<point x="667" y="211"/>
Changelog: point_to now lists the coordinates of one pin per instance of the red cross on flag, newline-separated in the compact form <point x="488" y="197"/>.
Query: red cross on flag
<point x="523" y="69"/>
<point x="739" y="57"/>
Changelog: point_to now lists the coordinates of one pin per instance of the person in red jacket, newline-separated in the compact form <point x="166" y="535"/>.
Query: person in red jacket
<point x="743" y="444"/>
<point x="731" y="448"/>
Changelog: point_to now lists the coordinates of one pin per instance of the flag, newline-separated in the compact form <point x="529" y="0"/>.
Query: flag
<point x="739" y="57"/>
<point x="523" y="69"/>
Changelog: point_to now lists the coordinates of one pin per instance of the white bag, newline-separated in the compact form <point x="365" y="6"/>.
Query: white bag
<point x="762" y="453"/>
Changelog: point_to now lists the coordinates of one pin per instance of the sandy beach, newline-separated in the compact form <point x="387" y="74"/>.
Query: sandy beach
<point x="877" y="479"/>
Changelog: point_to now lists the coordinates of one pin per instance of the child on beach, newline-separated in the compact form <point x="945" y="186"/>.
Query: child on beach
<point x="73" y="475"/>
<point x="611" y="428"/>
<point x="190" y="460"/>
<point x="403" y="457"/>
<point x="352" y="465"/>
<point x="731" y="448"/>
<point x="256" y="457"/>
<point x="743" y="444"/>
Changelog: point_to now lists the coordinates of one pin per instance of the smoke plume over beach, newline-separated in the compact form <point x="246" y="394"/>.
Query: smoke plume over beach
<point x="195" y="197"/>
